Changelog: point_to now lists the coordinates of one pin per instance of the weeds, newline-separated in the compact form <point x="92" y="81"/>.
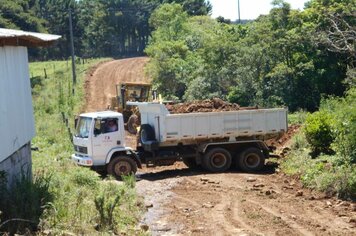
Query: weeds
<point x="115" y="204"/>
<point x="23" y="203"/>
<point x="332" y="131"/>
<point x="323" y="174"/>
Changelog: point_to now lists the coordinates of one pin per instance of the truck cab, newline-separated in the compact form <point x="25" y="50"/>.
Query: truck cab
<point x="99" y="141"/>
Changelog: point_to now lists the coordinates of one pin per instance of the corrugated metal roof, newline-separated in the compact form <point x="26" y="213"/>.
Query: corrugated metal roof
<point x="23" y="38"/>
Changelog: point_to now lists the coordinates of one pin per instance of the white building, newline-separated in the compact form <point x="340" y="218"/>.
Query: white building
<point x="16" y="111"/>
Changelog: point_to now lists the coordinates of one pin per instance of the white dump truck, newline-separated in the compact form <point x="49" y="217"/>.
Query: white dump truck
<point x="214" y="140"/>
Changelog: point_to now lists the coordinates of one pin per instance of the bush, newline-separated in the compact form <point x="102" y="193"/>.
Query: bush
<point x="345" y="127"/>
<point x="318" y="132"/>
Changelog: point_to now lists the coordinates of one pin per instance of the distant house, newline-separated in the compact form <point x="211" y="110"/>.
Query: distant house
<point x="16" y="111"/>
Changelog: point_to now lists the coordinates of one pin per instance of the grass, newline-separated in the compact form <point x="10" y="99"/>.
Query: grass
<point x="297" y="118"/>
<point x="324" y="173"/>
<point x="72" y="199"/>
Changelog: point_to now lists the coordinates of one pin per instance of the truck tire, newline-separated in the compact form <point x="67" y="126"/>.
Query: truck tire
<point x="147" y="133"/>
<point x="121" y="165"/>
<point x="251" y="160"/>
<point x="190" y="163"/>
<point x="132" y="124"/>
<point x="217" y="160"/>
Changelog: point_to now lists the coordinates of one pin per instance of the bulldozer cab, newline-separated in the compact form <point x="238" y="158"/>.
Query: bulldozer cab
<point x="133" y="92"/>
<point x="130" y="92"/>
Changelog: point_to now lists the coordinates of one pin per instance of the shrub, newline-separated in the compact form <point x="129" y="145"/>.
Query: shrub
<point x="345" y="127"/>
<point x="116" y="205"/>
<point x="318" y="132"/>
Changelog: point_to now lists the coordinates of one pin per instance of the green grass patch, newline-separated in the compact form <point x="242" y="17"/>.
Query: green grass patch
<point x="62" y="196"/>
<point x="324" y="173"/>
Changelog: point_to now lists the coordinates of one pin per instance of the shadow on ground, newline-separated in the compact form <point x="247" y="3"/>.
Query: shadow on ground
<point x="270" y="168"/>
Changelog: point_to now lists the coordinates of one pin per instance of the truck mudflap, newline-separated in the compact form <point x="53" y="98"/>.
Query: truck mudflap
<point x="82" y="160"/>
<point x="128" y="152"/>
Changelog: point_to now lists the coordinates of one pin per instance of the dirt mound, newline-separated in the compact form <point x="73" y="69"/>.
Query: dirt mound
<point x="208" y="105"/>
<point x="282" y="143"/>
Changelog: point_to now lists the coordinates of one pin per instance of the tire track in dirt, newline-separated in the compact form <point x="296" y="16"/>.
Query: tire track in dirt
<point x="229" y="204"/>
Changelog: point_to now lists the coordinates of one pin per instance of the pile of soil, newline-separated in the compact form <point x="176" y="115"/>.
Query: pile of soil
<point x="286" y="137"/>
<point x="208" y="105"/>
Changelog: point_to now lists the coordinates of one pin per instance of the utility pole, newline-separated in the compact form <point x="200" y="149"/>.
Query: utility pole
<point x="238" y="7"/>
<point x="72" y="49"/>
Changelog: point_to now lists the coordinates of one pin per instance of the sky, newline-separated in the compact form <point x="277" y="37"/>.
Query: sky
<point x="249" y="9"/>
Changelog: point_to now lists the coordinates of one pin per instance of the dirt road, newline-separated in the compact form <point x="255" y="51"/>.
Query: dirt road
<point x="181" y="201"/>
<point x="101" y="80"/>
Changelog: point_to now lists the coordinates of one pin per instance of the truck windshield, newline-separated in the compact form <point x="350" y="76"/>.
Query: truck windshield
<point x="83" y="127"/>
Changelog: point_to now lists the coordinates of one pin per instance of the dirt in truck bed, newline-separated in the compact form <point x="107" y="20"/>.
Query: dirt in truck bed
<point x="207" y="105"/>
<point x="182" y="201"/>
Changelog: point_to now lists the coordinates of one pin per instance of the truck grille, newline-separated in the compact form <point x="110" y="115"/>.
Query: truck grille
<point x="81" y="149"/>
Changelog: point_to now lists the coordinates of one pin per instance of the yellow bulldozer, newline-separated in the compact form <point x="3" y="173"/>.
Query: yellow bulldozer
<point x="131" y="92"/>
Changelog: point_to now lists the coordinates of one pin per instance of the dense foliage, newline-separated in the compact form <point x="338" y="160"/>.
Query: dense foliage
<point x="113" y="28"/>
<point x="318" y="132"/>
<point x="288" y="57"/>
<point x="331" y="131"/>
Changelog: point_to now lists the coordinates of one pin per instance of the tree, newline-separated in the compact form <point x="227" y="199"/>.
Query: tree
<point x="275" y="60"/>
<point x="20" y="14"/>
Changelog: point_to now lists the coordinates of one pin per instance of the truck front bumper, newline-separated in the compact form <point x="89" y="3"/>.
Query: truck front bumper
<point x="82" y="160"/>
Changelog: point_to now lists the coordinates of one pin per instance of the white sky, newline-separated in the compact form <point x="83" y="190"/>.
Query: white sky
<point x="249" y="9"/>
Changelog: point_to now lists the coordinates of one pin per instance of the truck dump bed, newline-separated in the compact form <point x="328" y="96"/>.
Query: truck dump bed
<point x="173" y="128"/>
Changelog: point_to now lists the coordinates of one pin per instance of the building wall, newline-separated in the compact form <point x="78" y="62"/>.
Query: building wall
<point x="18" y="164"/>
<point x="16" y="111"/>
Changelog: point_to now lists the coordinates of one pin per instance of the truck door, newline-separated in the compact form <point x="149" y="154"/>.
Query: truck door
<point x="107" y="135"/>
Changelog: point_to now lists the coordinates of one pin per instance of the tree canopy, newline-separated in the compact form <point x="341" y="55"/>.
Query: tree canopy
<point x="101" y="28"/>
<point x="286" y="58"/>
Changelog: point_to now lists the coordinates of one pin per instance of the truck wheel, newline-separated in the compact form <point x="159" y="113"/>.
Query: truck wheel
<point x="217" y="160"/>
<point x="147" y="133"/>
<point x="121" y="165"/>
<point x="190" y="162"/>
<point x="251" y="160"/>
<point x="132" y="124"/>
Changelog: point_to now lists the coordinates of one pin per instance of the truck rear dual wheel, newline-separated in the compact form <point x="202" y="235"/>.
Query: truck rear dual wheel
<point x="121" y="165"/>
<point x="217" y="160"/>
<point x="251" y="160"/>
